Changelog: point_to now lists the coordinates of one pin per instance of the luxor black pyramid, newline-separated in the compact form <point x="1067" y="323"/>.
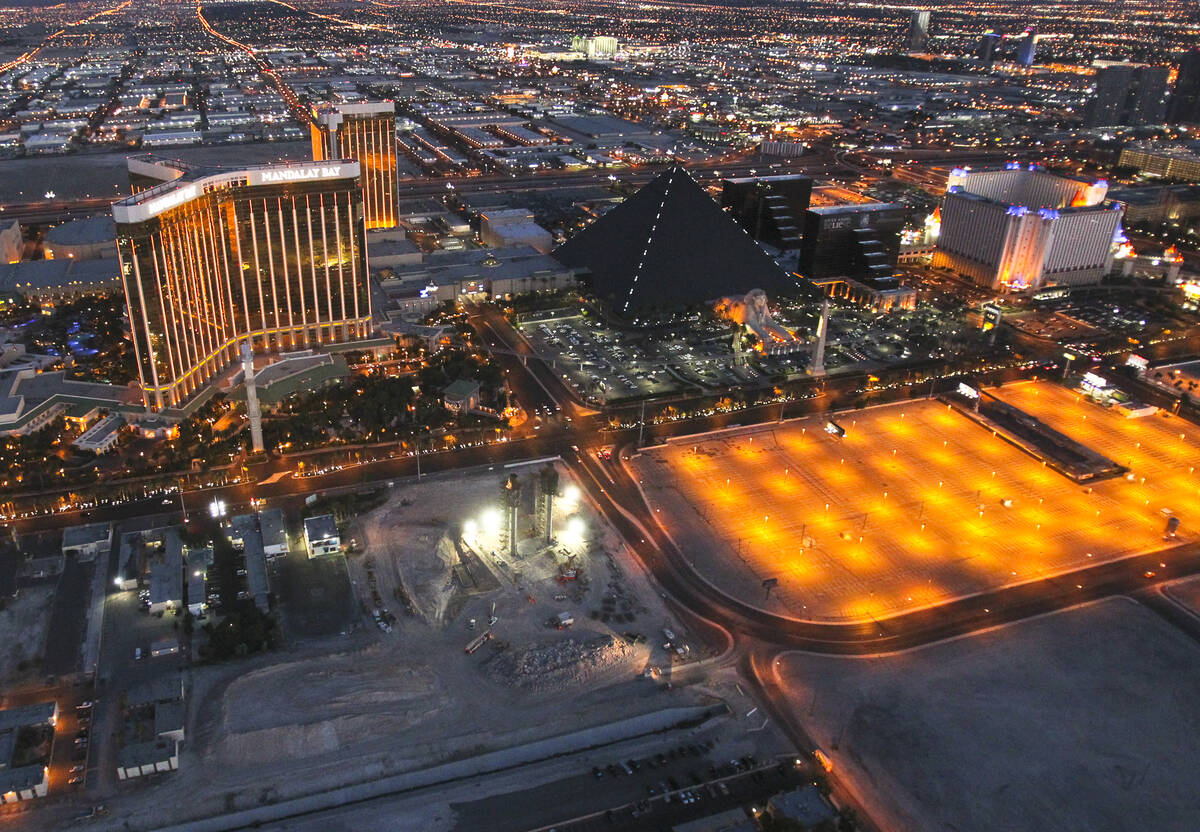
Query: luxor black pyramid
<point x="670" y="246"/>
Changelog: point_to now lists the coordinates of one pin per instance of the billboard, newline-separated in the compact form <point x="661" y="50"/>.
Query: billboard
<point x="992" y="315"/>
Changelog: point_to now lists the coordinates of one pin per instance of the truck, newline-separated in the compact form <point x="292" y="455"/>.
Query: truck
<point x="563" y="620"/>
<point x="478" y="641"/>
<point x="822" y="759"/>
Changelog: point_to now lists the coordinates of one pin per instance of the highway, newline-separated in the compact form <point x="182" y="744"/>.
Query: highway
<point x="561" y="425"/>
<point x="411" y="188"/>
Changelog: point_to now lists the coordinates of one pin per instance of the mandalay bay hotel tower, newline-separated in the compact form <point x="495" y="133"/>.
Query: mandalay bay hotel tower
<point x="365" y="132"/>
<point x="272" y="255"/>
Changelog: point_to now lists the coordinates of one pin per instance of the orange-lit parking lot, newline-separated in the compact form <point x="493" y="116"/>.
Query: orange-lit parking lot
<point x="916" y="505"/>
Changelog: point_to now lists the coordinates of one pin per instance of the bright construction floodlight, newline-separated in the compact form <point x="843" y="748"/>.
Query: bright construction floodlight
<point x="573" y="534"/>
<point x="491" y="520"/>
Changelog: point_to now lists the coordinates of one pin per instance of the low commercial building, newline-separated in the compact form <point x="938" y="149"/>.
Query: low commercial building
<point x="274" y="532"/>
<point x="480" y="274"/>
<point x="513" y="227"/>
<point x="321" y="536"/>
<point x="91" y="238"/>
<point x="86" y="543"/>
<point x="199" y="560"/>
<point x="26" y="737"/>
<point x="244" y="533"/>
<point x="41" y="554"/>
<point x="166" y="575"/>
<point x="101" y="437"/>
<point x="154" y="728"/>
<point x="48" y="282"/>
<point x="30" y="400"/>
<point x="461" y="396"/>
<point x="415" y="337"/>
<point x="389" y="248"/>
<point x="1177" y="204"/>
<point x="806" y="808"/>
<point x="138" y="759"/>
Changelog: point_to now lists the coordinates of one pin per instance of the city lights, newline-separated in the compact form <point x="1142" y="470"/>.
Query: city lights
<point x="446" y="368"/>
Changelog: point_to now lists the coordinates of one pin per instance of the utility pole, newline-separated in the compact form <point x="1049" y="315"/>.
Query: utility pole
<point x="642" y="424"/>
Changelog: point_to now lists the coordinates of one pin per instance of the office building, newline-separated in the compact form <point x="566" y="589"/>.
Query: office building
<point x="1021" y="228"/>
<point x="365" y="133"/>
<point x="273" y="255"/>
<point x="918" y="31"/>
<point x="1027" y="49"/>
<point x="850" y="251"/>
<point x="769" y="208"/>
<point x="1185" y="98"/>
<point x="859" y="240"/>
<point x="1128" y="95"/>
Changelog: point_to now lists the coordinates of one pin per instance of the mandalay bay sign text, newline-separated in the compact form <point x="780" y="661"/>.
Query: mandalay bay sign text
<point x="300" y="174"/>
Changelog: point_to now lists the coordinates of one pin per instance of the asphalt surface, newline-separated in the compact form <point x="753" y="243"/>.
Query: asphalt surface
<point x="68" y="619"/>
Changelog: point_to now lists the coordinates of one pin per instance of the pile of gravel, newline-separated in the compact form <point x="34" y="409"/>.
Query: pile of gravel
<point x="557" y="663"/>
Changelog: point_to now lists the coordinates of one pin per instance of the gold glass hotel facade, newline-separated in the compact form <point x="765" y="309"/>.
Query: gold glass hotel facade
<point x="273" y="255"/>
<point x="366" y="133"/>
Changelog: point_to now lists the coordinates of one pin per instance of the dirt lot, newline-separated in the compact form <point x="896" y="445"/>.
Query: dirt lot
<point x="1079" y="720"/>
<point x="371" y="703"/>
<point x="23" y="623"/>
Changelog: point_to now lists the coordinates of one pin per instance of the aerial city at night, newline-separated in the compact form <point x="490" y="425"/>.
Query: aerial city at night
<point x="530" y="415"/>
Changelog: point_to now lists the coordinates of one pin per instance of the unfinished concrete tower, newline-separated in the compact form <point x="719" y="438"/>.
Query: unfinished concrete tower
<point x="547" y="490"/>
<point x="510" y="505"/>
<point x="252" y="408"/>
<point x="818" y="362"/>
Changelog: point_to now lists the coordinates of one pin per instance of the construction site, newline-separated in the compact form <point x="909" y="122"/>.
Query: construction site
<point x="497" y="610"/>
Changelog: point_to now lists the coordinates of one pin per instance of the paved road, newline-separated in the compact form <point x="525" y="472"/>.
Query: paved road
<point x="816" y="164"/>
